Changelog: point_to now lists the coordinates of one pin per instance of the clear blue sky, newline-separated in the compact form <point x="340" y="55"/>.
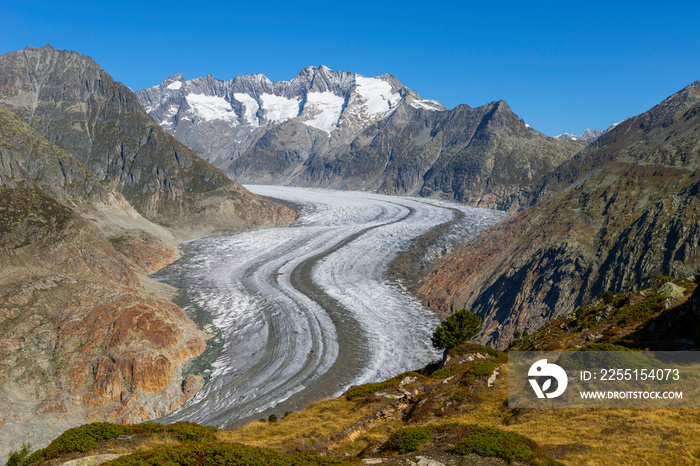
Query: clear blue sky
<point x="562" y="66"/>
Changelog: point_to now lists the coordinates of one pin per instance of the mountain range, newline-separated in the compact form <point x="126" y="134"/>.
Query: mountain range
<point x="587" y="135"/>
<point x="98" y="185"/>
<point x="342" y="130"/>
<point x="620" y="212"/>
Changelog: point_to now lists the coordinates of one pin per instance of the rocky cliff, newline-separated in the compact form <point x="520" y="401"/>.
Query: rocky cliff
<point x="84" y="334"/>
<point x="71" y="101"/>
<point x="80" y="338"/>
<point x="342" y="130"/>
<point x="619" y="212"/>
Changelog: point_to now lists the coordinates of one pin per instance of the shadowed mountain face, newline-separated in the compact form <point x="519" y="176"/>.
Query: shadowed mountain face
<point x="84" y="334"/>
<point x="622" y="210"/>
<point x="26" y="157"/>
<point x="75" y="104"/>
<point x="342" y="130"/>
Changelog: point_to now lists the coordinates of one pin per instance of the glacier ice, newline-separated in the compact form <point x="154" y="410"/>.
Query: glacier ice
<point x="285" y="346"/>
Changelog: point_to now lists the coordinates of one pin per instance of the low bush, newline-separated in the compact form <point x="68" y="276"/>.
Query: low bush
<point x="358" y="392"/>
<point x="408" y="439"/>
<point x="220" y="454"/>
<point x="472" y="348"/>
<point x="79" y="439"/>
<point x="487" y="441"/>
<point x="362" y="391"/>
<point x="89" y="436"/>
<point x="16" y="458"/>
<point x="483" y="368"/>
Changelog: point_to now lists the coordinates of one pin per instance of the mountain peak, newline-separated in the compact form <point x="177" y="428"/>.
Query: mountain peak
<point x="589" y="135"/>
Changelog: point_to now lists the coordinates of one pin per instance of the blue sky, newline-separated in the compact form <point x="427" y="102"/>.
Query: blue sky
<point x="561" y="66"/>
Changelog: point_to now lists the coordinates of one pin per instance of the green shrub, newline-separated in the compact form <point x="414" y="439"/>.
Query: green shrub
<point x="608" y="297"/>
<point x="357" y="392"/>
<point x="118" y="241"/>
<point x="456" y="329"/>
<point x="445" y="372"/>
<point x="661" y="279"/>
<point x="483" y="368"/>
<point x="362" y="391"/>
<point x="89" y="436"/>
<point x="17" y="458"/>
<point x="486" y="441"/>
<point x="408" y="439"/>
<point x="80" y="439"/>
<point x="191" y="432"/>
<point x="471" y="348"/>
<point x="221" y="454"/>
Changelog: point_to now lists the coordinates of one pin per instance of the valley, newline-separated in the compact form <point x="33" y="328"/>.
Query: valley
<point x="306" y="311"/>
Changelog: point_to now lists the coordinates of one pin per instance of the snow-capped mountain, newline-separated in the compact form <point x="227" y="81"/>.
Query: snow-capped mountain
<point x="589" y="135"/>
<point x="222" y="119"/>
<point x="341" y="130"/>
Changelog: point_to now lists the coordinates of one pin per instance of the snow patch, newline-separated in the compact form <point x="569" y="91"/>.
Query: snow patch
<point x="433" y="105"/>
<point x="172" y="111"/>
<point x="175" y="85"/>
<point x="278" y="108"/>
<point x="251" y="107"/>
<point x="323" y="110"/>
<point x="210" y="107"/>
<point x="377" y="95"/>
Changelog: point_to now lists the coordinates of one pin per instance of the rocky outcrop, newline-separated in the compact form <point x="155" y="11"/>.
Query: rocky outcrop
<point x="342" y="130"/>
<point x="622" y="210"/>
<point x="26" y="157"/>
<point x="79" y="338"/>
<point x="75" y="104"/>
<point x="84" y="335"/>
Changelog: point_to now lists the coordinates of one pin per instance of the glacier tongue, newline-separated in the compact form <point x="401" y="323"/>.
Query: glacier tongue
<point x="305" y="312"/>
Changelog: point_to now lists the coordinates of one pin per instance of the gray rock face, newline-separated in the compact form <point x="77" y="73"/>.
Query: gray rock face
<point x="342" y="130"/>
<point x="622" y="210"/>
<point x="68" y="99"/>
<point x="591" y="134"/>
<point x="27" y="158"/>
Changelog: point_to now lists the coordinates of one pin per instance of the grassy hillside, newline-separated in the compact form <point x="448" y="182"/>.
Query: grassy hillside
<point x="458" y="413"/>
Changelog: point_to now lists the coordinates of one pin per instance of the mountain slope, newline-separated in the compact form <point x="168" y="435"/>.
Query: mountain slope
<point x="343" y="130"/>
<point x="80" y="338"/>
<point x="27" y="157"/>
<point x="72" y="102"/>
<point x="622" y="210"/>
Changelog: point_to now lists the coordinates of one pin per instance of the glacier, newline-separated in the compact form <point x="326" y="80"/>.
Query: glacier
<point x="305" y="312"/>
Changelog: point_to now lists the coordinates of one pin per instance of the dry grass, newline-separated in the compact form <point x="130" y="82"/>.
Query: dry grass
<point x="306" y="430"/>
<point x="160" y="440"/>
<point x="572" y="436"/>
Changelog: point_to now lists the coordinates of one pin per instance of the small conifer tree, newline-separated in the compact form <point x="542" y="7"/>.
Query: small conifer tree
<point x="456" y="329"/>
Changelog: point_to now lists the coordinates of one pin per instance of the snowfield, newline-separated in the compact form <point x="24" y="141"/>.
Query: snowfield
<point x="304" y="312"/>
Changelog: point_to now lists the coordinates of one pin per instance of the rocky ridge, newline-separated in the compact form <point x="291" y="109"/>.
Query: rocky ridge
<point x="342" y="130"/>
<point x="71" y="101"/>
<point x="620" y="211"/>
<point x="85" y="335"/>
<point x="80" y="337"/>
<point x="587" y="135"/>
